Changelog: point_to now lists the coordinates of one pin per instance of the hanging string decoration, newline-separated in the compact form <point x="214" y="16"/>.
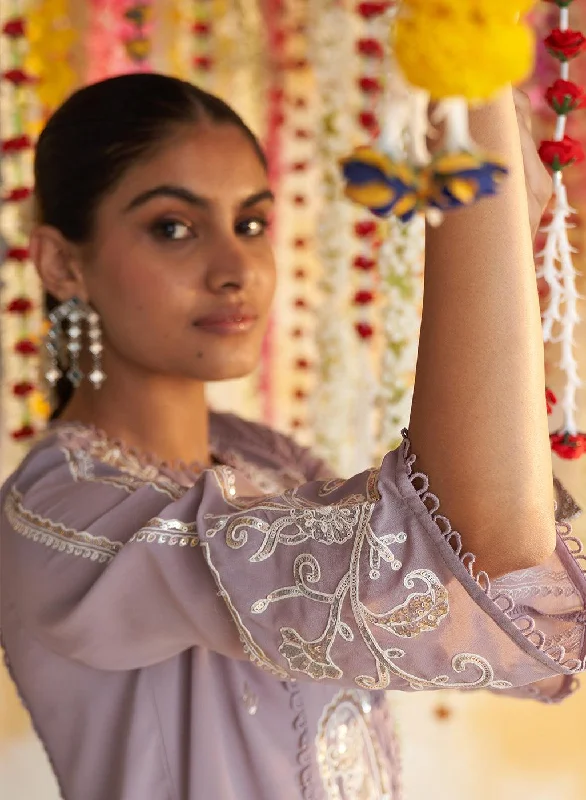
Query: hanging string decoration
<point x="456" y="55"/>
<point x="401" y="262"/>
<point x="136" y="32"/>
<point x="203" y="56"/>
<point x="557" y="269"/>
<point x="51" y="39"/>
<point x="332" y="51"/>
<point x="119" y="38"/>
<point x="292" y="114"/>
<point x="19" y="304"/>
<point x="371" y="24"/>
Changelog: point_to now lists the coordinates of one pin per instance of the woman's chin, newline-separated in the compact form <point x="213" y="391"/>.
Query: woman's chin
<point x="227" y="372"/>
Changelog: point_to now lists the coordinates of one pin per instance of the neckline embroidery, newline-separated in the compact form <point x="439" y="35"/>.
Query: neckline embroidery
<point x="119" y="450"/>
<point x="144" y="466"/>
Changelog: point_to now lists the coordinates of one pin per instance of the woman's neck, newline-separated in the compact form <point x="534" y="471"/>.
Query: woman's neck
<point x="156" y="414"/>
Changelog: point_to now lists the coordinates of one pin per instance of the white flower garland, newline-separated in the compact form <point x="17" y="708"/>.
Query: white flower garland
<point x="333" y="402"/>
<point x="401" y="268"/>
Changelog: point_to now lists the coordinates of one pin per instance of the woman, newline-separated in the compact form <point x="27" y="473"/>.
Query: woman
<point x="192" y="606"/>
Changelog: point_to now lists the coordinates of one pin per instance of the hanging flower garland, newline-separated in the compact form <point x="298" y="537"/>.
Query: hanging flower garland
<point x="437" y="48"/>
<point x="371" y="45"/>
<point x="401" y="262"/>
<point x="372" y="48"/>
<point x="333" y="403"/>
<point x="290" y="149"/>
<point x="105" y="56"/>
<point x="136" y="34"/>
<point x="557" y="269"/>
<point x="19" y="306"/>
<point x="51" y="38"/>
<point x="203" y="44"/>
<point x="119" y="38"/>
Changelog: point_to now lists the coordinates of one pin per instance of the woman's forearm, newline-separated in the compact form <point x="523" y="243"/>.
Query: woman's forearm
<point x="479" y="422"/>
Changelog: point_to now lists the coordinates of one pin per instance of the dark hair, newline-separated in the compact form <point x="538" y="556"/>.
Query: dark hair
<point x="97" y="135"/>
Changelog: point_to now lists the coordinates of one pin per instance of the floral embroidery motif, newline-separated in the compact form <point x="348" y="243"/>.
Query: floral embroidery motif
<point x="56" y="536"/>
<point x="420" y="612"/>
<point x="350" y="763"/>
<point x="297" y="520"/>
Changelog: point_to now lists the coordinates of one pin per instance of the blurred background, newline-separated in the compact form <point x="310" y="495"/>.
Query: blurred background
<point x="338" y="365"/>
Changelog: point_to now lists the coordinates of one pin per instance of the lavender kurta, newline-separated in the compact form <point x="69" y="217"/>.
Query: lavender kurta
<point x="229" y="635"/>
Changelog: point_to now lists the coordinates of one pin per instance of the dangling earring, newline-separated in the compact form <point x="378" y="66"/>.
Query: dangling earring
<point x="74" y="317"/>
<point x="74" y="312"/>
<point x="96" y="376"/>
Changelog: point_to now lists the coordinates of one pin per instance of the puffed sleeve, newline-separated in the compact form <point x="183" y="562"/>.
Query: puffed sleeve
<point x="359" y="582"/>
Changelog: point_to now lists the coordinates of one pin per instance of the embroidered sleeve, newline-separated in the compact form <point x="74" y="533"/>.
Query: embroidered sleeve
<point x="364" y="582"/>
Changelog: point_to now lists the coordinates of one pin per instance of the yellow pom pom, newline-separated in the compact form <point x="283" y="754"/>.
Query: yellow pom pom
<point x="479" y="10"/>
<point x="462" y="58"/>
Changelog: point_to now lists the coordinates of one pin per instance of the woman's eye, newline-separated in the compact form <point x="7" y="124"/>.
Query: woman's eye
<point x="172" y="230"/>
<point x="255" y="226"/>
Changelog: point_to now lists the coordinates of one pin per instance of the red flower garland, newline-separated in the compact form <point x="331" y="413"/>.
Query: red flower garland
<point x="563" y="96"/>
<point x="562" y="153"/>
<point x="568" y="446"/>
<point x="565" y="45"/>
<point x="17" y="147"/>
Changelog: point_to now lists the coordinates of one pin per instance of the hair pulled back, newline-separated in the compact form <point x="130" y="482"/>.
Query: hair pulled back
<point x="102" y="130"/>
<point x="98" y="133"/>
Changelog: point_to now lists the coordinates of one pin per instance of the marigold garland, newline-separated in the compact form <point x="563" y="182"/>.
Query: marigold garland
<point x="51" y="38"/>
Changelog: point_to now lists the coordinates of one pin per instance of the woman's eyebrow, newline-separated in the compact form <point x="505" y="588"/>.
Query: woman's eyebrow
<point x="187" y="196"/>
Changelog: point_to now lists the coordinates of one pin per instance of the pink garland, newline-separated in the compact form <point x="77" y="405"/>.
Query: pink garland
<point x="119" y="38"/>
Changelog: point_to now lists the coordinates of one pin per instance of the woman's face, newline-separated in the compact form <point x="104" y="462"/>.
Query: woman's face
<point x="180" y="267"/>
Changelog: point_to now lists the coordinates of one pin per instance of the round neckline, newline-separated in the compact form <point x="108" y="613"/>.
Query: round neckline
<point x="143" y="457"/>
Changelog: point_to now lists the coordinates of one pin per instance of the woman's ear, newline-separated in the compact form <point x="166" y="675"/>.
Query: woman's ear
<point x="57" y="263"/>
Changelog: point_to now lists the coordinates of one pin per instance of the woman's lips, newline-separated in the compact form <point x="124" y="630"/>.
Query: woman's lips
<point x="227" y="324"/>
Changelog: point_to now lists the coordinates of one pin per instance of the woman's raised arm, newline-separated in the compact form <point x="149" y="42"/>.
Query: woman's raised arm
<point x="479" y="420"/>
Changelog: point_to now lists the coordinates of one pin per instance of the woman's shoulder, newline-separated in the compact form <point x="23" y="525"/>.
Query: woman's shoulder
<point x="43" y="458"/>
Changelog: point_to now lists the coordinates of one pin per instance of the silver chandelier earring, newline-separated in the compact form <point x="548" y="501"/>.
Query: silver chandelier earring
<point x="75" y="313"/>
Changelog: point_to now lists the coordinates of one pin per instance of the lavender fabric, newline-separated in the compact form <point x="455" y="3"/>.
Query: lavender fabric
<point x="231" y="635"/>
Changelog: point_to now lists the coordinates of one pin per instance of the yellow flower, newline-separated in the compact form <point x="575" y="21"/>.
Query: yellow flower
<point x="51" y="38"/>
<point x="463" y="57"/>
<point x="39" y="406"/>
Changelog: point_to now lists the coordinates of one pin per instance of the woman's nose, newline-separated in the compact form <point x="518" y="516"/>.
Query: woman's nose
<point x="230" y="266"/>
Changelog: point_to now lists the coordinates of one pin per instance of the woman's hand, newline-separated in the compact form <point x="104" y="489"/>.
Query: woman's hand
<point x="538" y="182"/>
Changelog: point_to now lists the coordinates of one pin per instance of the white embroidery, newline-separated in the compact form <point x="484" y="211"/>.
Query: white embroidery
<point x="167" y="531"/>
<point x="57" y="536"/>
<point x="299" y="520"/>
